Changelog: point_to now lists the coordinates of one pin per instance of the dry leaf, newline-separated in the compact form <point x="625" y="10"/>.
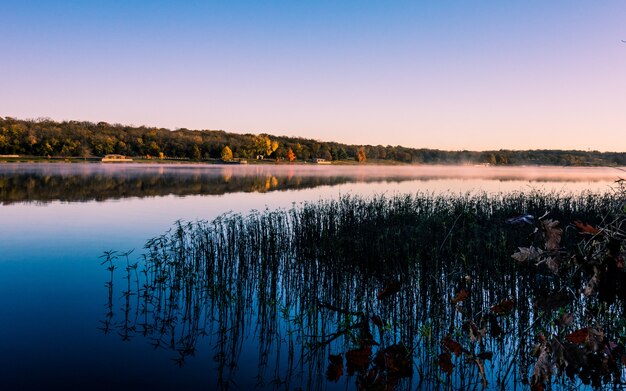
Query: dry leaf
<point x="445" y="362"/>
<point x="586" y="228"/>
<point x="553" y="301"/>
<point x="553" y="264"/>
<point x="335" y="367"/>
<point x="526" y="254"/>
<point x="552" y="234"/>
<point x="503" y="307"/>
<point x="542" y="371"/>
<point x="462" y="295"/>
<point x="579" y="336"/>
<point x="452" y="345"/>
<point x="390" y="289"/>
<point x="358" y="360"/>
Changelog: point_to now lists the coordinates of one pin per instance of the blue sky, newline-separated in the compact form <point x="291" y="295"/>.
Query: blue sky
<point x="446" y="74"/>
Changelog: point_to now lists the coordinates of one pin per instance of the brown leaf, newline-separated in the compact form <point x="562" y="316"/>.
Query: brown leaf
<point x="396" y="360"/>
<point x="579" y="336"/>
<point x="474" y="332"/>
<point x="595" y="340"/>
<point x="594" y="282"/>
<point x="335" y="367"/>
<point x="445" y="362"/>
<point x="553" y="264"/>
<point x="552" y="234"/>
<point x="527" y="254"/>
<point x="462" y="295"/>
<point x="358" y="360"/>
<point x="542" y="371"/>
<point x="390" y="289"/>
<point x="553" y="301"/>
<point x="452" y="345"/>
<point x="503" y="307"/>
<point x="586" y="228"/>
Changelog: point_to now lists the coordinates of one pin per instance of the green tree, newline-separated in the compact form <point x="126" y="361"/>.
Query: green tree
<point x="196" y="154"/>
<point x="227" y="154"/>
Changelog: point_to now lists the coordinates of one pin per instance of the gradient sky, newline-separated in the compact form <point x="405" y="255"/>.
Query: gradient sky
<point x="440" y="74"/>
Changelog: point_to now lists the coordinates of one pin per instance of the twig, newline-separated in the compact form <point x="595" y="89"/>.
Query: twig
<point x="450" y="231"/>
<point x="519" y="345"/>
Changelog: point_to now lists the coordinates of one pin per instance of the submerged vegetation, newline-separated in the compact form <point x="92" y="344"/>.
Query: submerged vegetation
<point x="452" y="292"/>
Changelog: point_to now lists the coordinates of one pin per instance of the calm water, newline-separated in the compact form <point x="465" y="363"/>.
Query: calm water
<point x="58" y="219"/>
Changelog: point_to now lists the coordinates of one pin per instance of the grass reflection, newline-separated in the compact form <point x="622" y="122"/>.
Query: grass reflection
<point x="382" y="292"/>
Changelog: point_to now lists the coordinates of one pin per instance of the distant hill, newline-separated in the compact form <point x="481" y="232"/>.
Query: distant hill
<point x="46" y="137"/>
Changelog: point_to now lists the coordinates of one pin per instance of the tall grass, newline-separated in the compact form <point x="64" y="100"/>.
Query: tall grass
<point x="301" y="278"/>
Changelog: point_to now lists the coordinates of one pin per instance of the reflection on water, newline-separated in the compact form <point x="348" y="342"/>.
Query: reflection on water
<point x="39" y="182"/>
<point x="368" y="294"/>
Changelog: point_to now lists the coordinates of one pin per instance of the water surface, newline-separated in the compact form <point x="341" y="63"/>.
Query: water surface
<point x="58" y="219"/>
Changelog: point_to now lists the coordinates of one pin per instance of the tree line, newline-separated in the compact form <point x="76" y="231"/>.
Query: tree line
<point x="45" y="137"/>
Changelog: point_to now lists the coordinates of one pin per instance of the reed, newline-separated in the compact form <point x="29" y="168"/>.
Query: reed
<point x="308" y="282"/>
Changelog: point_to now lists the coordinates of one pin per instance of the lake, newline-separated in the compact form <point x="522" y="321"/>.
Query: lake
<point x="68" y="323"/>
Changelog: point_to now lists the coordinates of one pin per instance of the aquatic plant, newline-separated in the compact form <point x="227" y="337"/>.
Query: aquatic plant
<point x="409" y="289"/>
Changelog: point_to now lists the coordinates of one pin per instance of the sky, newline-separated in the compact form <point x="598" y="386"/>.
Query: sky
<point x="452" y="75"/>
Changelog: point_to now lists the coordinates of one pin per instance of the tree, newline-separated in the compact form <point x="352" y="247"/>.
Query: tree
<point x="290" y="155"/>
<point x="360" y="155"/>
<point x="227" y="154"/>
<point x="196" y="154"/>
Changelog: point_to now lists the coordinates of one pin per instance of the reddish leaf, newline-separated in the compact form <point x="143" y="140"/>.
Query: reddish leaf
<point x="579" y="336"/>
<point x="462" y="295"/>
<point x="503" y="307"/>
<point x="357" y="360"/>
<point x="335" y="367"/>
<point x="396" y="360"/>
<point x="445" y="362"/>
<point x="586" y="228"/>
<point x="390" y="289"/>
<point x="452" y="345"/>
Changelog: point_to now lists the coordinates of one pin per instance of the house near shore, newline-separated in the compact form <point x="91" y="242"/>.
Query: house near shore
<point x="321" y="161"/>
<point x="115" y="159"/>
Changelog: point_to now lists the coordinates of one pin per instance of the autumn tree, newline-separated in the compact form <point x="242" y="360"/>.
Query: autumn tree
<point x="290" y="155"/>
<point x="227" y="154"/>
<point x="360" y="155"/>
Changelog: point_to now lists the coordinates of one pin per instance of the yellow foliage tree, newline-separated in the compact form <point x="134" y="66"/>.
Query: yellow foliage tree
<point x="227" y="154"/>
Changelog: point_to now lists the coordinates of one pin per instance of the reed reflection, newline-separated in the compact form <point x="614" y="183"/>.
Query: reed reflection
<point x="382" y="293"/>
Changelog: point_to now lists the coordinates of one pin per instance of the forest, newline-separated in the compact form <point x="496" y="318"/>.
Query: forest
<point x="48" y="138"/>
